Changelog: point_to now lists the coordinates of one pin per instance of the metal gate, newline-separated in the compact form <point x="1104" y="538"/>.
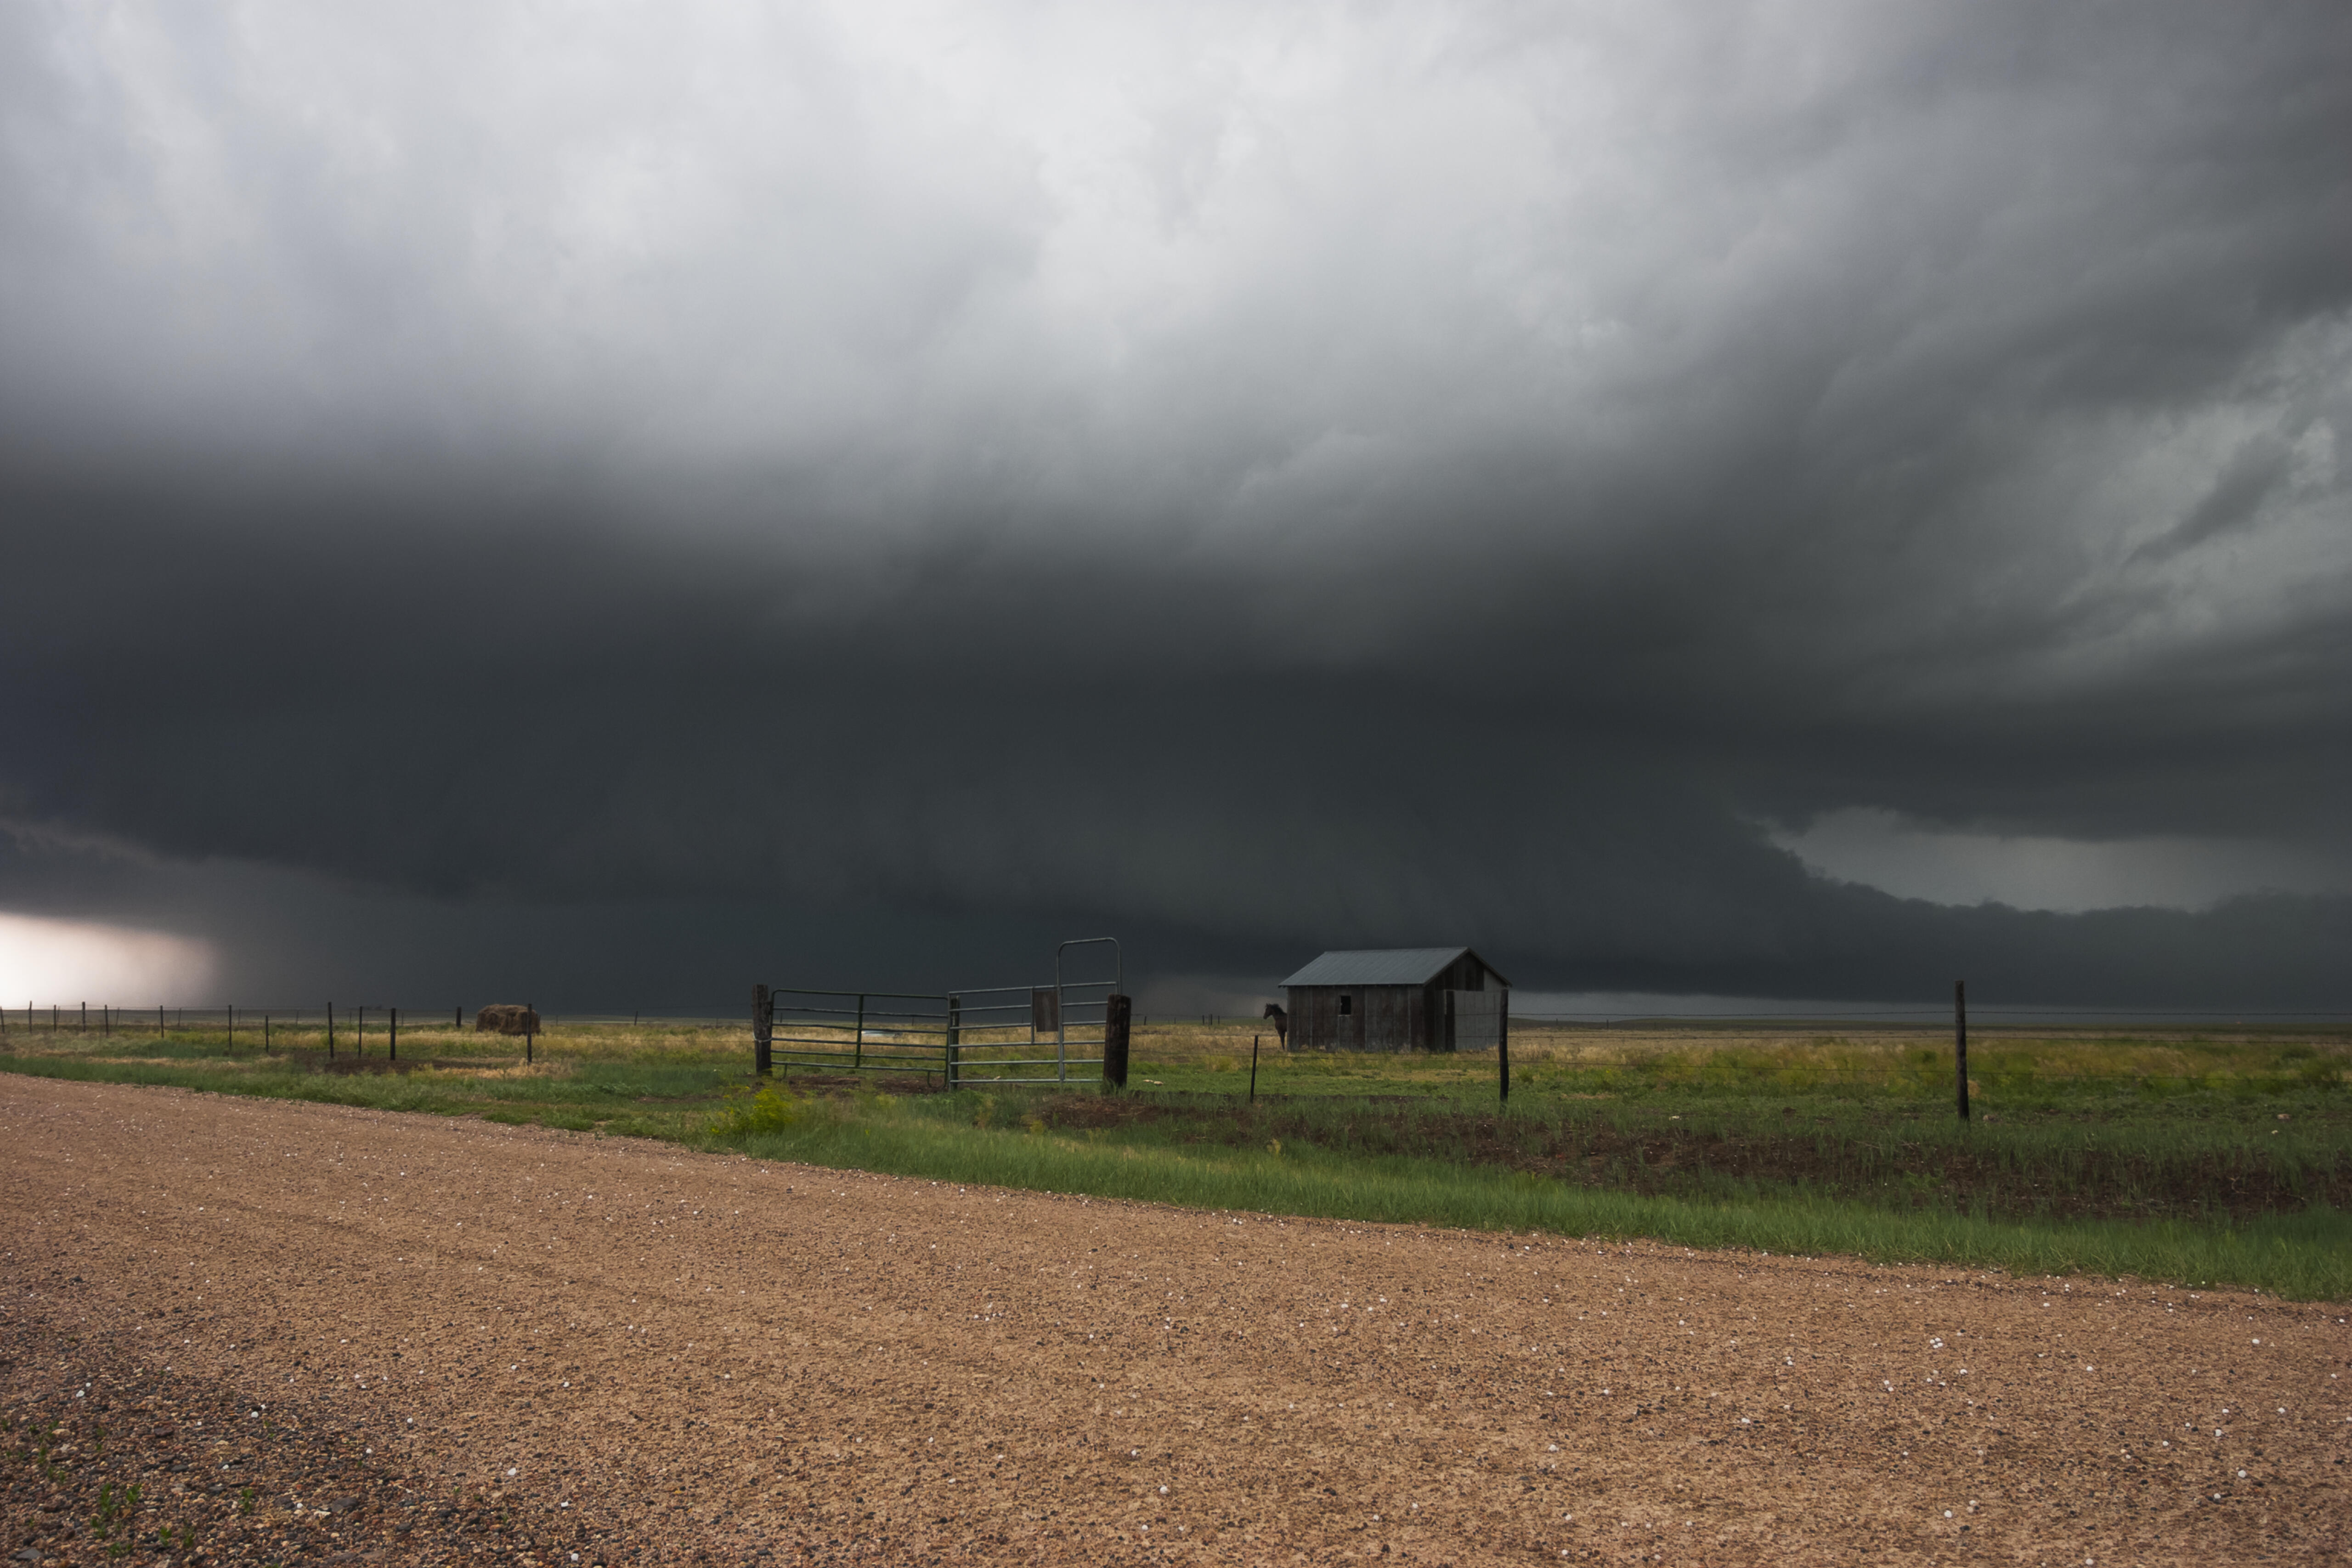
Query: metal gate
<point x="1056" y="1034"/>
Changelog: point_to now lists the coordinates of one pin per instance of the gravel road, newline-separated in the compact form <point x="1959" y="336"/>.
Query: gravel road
<point x="311" y="1333"/>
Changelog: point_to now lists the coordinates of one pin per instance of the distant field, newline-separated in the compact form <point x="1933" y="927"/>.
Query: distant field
<point x="2196" y="1156"/>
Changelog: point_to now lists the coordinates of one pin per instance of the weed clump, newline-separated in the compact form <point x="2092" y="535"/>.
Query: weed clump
<point x="772" y="1108"/>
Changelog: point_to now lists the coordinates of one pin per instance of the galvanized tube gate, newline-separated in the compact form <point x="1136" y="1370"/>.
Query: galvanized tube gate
<point x="985" y="1035"/>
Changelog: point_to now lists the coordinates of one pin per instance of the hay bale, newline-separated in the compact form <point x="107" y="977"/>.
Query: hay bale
<point x="506" y="1019"/>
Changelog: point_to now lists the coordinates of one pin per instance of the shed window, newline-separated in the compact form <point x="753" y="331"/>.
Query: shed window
<point x="1347" y="1006"/>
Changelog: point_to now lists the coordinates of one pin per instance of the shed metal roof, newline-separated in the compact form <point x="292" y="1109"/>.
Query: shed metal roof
<point x="1381" y="966"/>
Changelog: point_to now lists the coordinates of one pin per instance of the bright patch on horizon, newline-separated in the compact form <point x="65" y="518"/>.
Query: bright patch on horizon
<point x="1883" y="849"/>
<point x="48" y="962"/>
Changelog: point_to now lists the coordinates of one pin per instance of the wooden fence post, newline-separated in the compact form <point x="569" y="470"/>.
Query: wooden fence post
<point x="1118" y="1013"/>
<point x="1960" y="1041"/>
<point x="763" y="1017"/>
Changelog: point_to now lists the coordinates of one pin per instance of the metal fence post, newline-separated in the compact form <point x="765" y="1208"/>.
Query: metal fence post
<point x="857" y="1040"/>
<point x="954" y="1065"/>
<point x="330" y="1031"/>
<point x="763" y="1014"/>
<point x="396" y="1034"/>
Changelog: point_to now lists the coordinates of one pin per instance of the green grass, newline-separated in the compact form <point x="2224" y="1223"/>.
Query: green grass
<point x="652" y="1081"/>
<point x="2194" y="1158"/>
<point x="2306" y="1256"/>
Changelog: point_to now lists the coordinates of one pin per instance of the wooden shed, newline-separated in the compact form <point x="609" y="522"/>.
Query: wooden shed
<point x="1398" y="999"/>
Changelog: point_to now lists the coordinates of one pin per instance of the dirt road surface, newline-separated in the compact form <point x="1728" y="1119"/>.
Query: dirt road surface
<point x="315" y="1334"/>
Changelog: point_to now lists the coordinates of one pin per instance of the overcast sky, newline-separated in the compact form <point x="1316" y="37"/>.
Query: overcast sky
<point x="608" y="504"/>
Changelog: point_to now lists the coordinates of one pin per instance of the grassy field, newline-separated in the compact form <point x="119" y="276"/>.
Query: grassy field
<point x="2220" y="1156"/>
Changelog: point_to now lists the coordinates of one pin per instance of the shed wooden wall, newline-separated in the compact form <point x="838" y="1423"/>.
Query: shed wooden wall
<point x="1475" y="1020"/>
<point x="1394" y="1017"/>
<point x="1465" y="973"/>
<point x="1385" y="1018"/>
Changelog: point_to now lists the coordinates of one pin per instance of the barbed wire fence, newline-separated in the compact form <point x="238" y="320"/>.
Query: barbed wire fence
<point x="354" y="1028"/>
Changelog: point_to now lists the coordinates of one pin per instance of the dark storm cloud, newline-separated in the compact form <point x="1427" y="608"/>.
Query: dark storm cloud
<point x="1267" y="480"/>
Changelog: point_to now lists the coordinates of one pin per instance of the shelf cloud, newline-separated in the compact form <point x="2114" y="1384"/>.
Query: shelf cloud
<point x="679" y="481"/>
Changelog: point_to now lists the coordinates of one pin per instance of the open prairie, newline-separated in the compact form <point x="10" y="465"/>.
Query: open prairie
<point x="2197" y="1156"/>
<point x="277" y="1331"/>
